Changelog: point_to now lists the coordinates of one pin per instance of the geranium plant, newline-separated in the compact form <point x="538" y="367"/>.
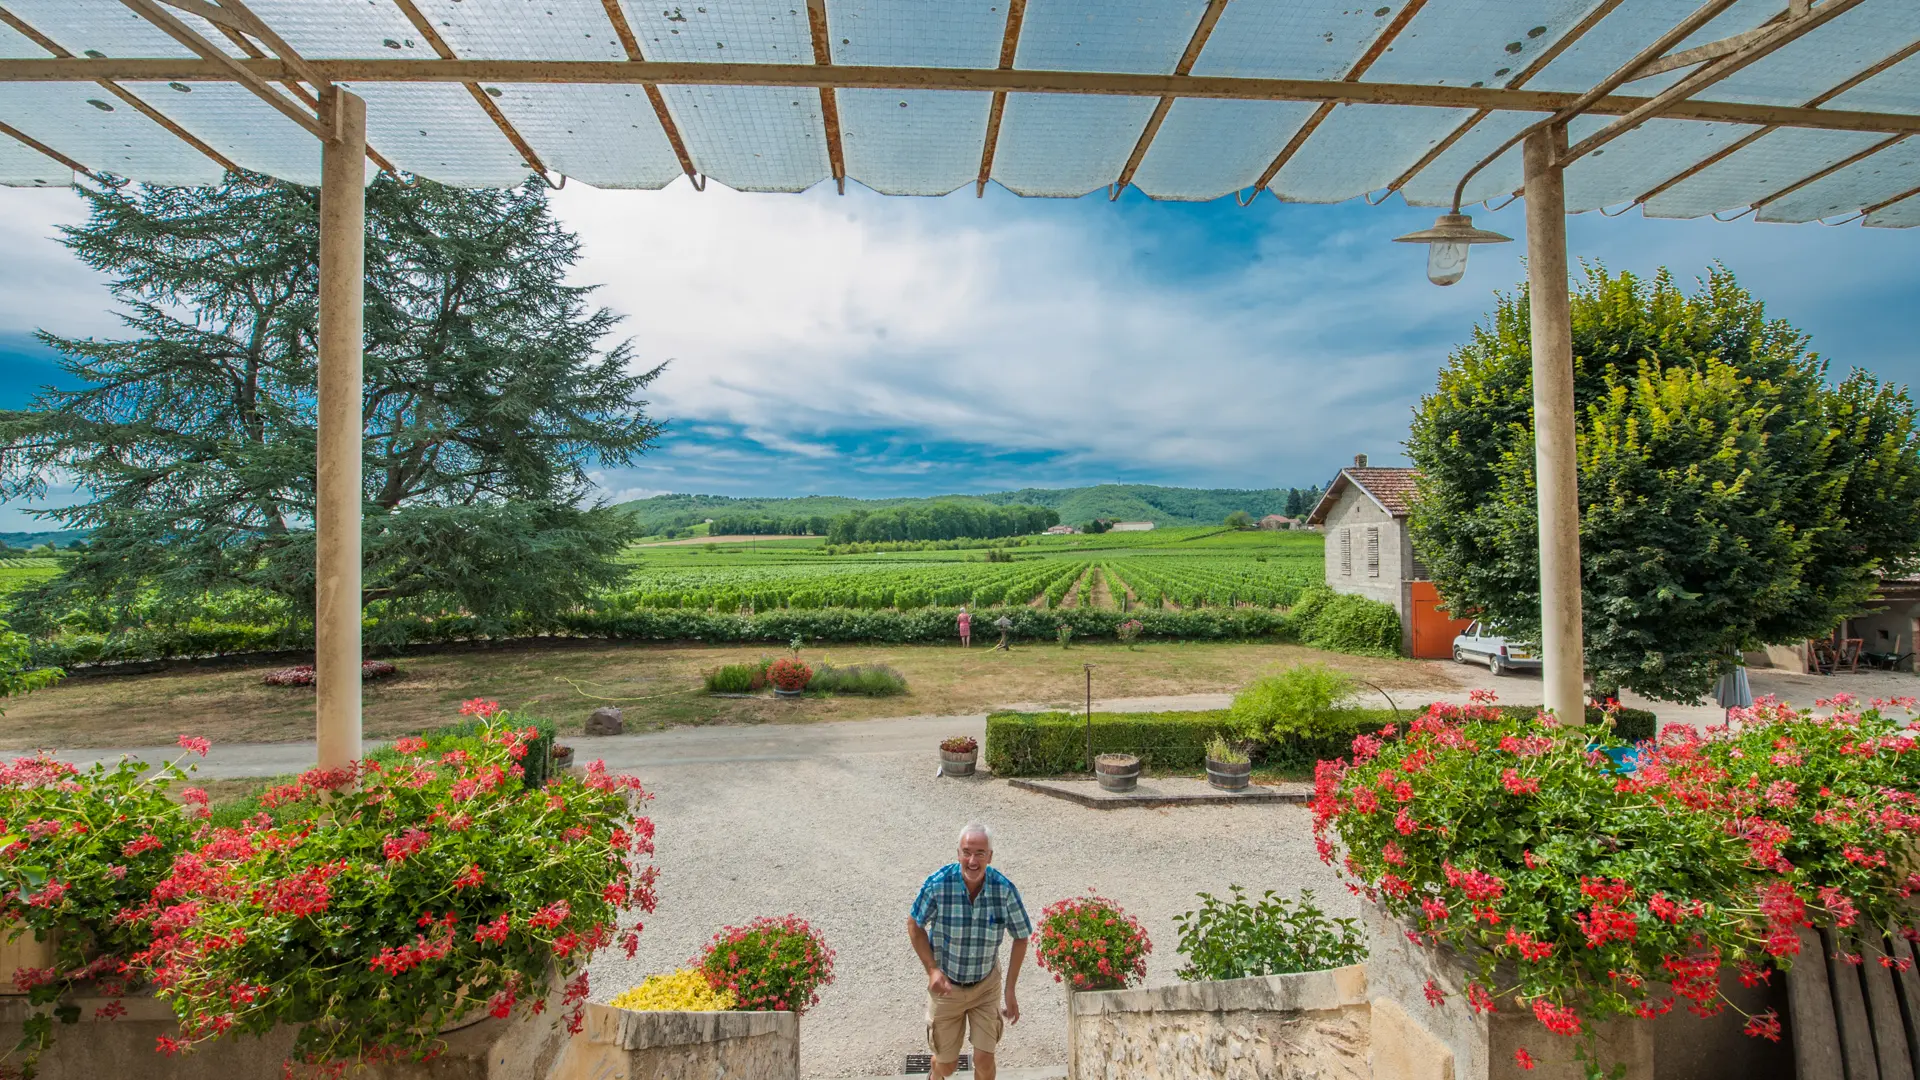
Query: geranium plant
<point x="79" y="848"/>
<point x="960" y="744"/>
<point x="375" y="904"/>
<point x="790" y="674"/>
<point x="1582" y="892"/>
<point x="770" y="963"/>
<point x="1091" y="944"/>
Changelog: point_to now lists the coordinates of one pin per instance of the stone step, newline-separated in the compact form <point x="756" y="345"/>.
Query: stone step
<point x="1042" y="1072"/>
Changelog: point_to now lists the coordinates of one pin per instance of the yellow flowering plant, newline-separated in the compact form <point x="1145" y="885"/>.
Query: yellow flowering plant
<point x="686" y="990"/>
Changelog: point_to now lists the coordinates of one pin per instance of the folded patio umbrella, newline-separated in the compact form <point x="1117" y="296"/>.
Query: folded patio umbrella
<point x="1732" y="691"/>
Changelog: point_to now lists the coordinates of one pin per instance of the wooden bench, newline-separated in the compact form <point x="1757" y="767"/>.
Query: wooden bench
<point x="1853" y="1022"/>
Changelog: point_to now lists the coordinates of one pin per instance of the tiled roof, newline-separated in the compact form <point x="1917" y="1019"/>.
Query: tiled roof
<point x="1391" y="488"/>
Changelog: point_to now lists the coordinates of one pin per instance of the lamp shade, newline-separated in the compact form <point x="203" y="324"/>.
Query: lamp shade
<point x="1447" y="244"/>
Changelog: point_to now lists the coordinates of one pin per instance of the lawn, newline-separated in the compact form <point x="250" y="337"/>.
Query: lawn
<point x="655" y="685"/>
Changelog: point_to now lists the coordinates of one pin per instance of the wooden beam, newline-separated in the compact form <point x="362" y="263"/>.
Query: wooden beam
<point x="1830" y="170"/>
<point x="631" y="43"/>
<point x="1208" y="20"/>
<point x="621" y="72"/>
<point x="1009" y="46"/>
<point x="829" y="106"/>
<point x="27" y="140"/>
<point x="1374" y="52"/>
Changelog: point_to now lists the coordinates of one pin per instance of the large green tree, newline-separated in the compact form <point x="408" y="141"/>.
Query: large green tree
<point x="488" y="395"/>
<point x="1730" y="494"/>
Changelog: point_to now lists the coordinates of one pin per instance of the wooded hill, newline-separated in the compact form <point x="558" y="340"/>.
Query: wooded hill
<point x="1119" y="502"/>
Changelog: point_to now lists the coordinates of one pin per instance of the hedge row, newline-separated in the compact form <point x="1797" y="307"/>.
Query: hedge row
<point x="925" y="625"/>
<point x="1053" y="743"/>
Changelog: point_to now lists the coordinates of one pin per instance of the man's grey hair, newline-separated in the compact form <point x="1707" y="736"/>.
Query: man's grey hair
<point x="975" y="828"/>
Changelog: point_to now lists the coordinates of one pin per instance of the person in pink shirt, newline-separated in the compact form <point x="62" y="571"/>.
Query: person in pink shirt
<point x="966" y="629"/>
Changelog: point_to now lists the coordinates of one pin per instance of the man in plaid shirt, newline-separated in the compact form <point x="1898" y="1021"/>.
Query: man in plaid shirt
<point x="955" y="927"/>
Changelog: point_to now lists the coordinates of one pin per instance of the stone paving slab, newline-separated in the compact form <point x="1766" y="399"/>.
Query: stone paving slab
<point x="1165" y="791"/>
<point x="1044" y="1072"/>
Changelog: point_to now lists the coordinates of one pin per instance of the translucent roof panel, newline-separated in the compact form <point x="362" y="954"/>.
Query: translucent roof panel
<point x="1433" y="185"/>
<point x="440" y="132"/>
<point x="524" y="29"/>
<point x="17" y="46"/>
<point x="86" y="29"/>
<point x="1328" y="169"/>
<point x="1292" y="39"/>
<point x="1904" y="214"/>
<point x="23" y="166"/>
<point x="1642" y="159"/>
<point x="251" y="133"/>
<point x="913" y="142"/>
<point x="1895" y="90"/>
<point x="1876" y="179"/>
<point x="608" y="136"/>
<point x="1825" y="56"/>
<point x="343" y="28"/>
<point x="722" y="31"/>
<point x="104" y="133"/>
<point x="753" y="138"/>
<point x="1067" y="144"/>
<point x="913" y="33"/>
<point x="1206" y="147"/>
<point x="1757" y="171"/>
<point x="1472" y="42"/>
<point x="1633" y="26"/>
<point x="1142" y="36"/>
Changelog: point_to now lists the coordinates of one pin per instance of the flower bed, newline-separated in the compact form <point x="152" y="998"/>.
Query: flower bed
<point x="369" y="906"/>
<point x="1583" y="893"/>
<point x="302" y="674"/>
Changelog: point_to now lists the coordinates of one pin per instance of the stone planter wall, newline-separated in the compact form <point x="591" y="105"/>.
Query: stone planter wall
<point x="1313" y="1024"/>
<point x="682" y="1046"/>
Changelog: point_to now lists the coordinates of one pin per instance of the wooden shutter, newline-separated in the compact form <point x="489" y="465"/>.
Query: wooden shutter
<point x="1373" y="551"/>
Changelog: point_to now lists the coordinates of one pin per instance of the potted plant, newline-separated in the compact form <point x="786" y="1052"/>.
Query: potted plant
<point x="1117" y="772"/>
<point x="769" y="964"/>
<point x="958" y="755"/>
<point x="1228" y="767"/>
<point x="562" y="757"/>
<point x="1090" y="943"/>
<point x="789" y="676"/>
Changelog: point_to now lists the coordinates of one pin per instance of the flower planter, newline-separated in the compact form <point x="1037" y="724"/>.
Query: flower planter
<point x="1117" y="772"/>
<point x="562" y="757"/>
<point x="958" y="763"/>
<point x="777" y="692"/>
<point x="1229" y="775"/>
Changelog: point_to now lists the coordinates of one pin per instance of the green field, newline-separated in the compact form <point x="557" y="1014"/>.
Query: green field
<point x="15" y="573"/>
<point x="1165" y="568"/>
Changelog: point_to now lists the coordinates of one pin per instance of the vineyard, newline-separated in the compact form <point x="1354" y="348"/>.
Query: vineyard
<point x="15" y="573"/>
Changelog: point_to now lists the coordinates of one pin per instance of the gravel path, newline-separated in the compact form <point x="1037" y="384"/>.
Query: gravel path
<point x="845" y="840"/>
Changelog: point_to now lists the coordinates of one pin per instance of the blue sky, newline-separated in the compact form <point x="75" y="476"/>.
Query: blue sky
<point x="868" y="345"/>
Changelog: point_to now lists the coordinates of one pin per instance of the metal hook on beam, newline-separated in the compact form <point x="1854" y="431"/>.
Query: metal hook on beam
<point x="699" y="181"/>
<point x="1248" y="201"/>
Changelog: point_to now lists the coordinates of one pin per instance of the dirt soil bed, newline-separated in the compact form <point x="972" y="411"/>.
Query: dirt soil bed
<point x="655" y="685"/>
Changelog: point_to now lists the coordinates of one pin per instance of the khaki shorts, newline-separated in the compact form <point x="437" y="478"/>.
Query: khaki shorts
<point x="968" y="1014"/>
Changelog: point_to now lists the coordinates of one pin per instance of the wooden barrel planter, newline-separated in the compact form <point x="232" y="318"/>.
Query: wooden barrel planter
<point x="958" y="763"/>
<point x="1229" y="775"/>
<point x="1117" y="772"/>
<point x="777" y="692"/>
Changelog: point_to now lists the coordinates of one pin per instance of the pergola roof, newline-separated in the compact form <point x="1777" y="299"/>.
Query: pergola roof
<point x="1803" y="111"/>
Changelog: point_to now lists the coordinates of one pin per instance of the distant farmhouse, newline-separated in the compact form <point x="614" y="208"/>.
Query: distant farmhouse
<point x="1278" y="521"/>
<point x="1370" y="552"/>
<point x="1132" y="526"/>
<point x="1062" y="530"/>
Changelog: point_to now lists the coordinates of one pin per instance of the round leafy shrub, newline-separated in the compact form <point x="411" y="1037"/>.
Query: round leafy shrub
<point x="686" y="990"/>
<point x="1345" y="622"/>
<point x="1234" y="939"/>
<point x="790" y="674"/>
<point x="1089" y="942"/>
<point x="1582" y="891"/>
<point x="769" y="964"/>
<point x="1304" y="701"/>
<point x="1129" y="632"/>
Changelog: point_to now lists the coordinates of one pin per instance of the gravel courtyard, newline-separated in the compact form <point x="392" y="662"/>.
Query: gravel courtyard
<point x="844" y="841"/>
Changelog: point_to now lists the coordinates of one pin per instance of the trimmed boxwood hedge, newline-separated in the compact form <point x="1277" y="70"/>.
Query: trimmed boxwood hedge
<point x="1053" y="743"/>
<point x="1630" y="725"/>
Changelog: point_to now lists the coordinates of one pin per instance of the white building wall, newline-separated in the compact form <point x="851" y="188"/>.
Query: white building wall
<point x="1353" y="523"/>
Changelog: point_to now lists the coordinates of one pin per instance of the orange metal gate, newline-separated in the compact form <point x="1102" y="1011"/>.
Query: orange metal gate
<point x="1433" y="628"/>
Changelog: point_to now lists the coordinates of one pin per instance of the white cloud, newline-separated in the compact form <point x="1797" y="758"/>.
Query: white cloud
<point x="41" y="284"/>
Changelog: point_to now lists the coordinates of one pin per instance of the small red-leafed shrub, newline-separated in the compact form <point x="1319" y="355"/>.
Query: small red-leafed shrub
<point x="789" y="674"/>
<point x="1586" y="893"/>
<point x="1089" y="942"/>
<point x="302" y="674"/>
<point x="960" y="744"/>
<point x="771" y="963"/>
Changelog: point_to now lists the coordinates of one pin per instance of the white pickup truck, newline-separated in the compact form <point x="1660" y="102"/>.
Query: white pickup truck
<point x="1481" y="644"/>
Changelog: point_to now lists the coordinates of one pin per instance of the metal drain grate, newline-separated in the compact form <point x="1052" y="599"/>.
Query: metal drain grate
<point x="922" y="1064"/>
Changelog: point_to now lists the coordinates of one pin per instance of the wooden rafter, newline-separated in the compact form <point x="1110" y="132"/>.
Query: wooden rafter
<point x="29" y="141"/>
<point x="1208" y="20"/>
<point x="829" y="106"/>
<point x="474" y="89"/>
<point x="631" y="43"/>
<point x="1009" y="47"/>
<point x="159" y="16"/>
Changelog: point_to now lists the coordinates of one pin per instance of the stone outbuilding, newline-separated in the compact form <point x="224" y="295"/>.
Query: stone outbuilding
<point x="1370" y="553"/>
<point x="1278" y="521"/>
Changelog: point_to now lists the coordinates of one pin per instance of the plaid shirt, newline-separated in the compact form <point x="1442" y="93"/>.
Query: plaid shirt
<point x="965" y="931"/>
